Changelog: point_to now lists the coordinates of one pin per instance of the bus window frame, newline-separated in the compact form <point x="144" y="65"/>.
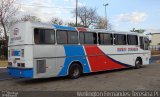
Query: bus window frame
<point x="103" y="39"/>
<point x="114" y="39"/>
<point x="67" y="37"/>
<point x="86" y="32"/>
<point x="128" y="42"/>
<point x="45" y="43"/>
<point x="145" y="44"/>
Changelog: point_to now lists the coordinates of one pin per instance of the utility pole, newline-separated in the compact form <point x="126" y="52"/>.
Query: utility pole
<point x="105" y="5"/>
<point x="76" y="12"/>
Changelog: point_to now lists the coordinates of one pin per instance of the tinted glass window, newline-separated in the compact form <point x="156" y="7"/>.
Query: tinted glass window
<point x="101" y="38"/>
<point x="146" y="43"/>
<point x="132" y="39"/>
<point x="67" y="37"/>
<point x="90" y="38"/>
<point x="141" y="42"/>
<point x="62" y="37"/>
<point x="105" y="39"/>
<point x="120" y="39"/>
<point x="81" y="37"/>
<point x="44" y="36"/>
<point x="72" y="37"/>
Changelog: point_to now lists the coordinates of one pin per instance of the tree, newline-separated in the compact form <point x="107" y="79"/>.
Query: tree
<point x="141" y="31"/>
<point x="74" y="24"/>
<point x="102" y="23"/>
<point x="56" y="21"/>
<point x="87" y="15"/>
<point x="30" y="18"/>
<point x="7" y="12"/>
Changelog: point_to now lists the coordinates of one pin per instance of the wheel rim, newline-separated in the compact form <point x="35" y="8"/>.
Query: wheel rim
<point x="75" y="72"/>
<point x="138" y="63"/>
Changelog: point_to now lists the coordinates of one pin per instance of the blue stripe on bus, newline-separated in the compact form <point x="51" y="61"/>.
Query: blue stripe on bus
<point x="64" y="27"/>
<point x="17" y="72"/>
<point x="74" y="53"/>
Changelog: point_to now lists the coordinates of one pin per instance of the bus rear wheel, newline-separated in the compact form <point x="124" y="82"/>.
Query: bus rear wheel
<point x="75" y="71"/>
<point x="138" y="63"/>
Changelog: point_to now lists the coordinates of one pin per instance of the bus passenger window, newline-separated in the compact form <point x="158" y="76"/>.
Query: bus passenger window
<point x="62" y="37"/>
<point x="120" y="39"/>
<point x="90" y="38"/>
<point x="44" y="36"/>
<point x="105" y="39"/>
<point x="141" y="42"/>
<point x="81" y="37"/>
<point x="49" y="37"/>
<point x="132" y="39"/>
<point x="36" y="36"/>
<point x="67" y="37"/>
<point x="72" y="37"/>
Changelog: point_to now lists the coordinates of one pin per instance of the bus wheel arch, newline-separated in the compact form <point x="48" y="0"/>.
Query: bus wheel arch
<point x="138" y="62"/>
<point x="75" y="70"/>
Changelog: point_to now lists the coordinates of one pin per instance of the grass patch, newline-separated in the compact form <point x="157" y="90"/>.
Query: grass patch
<point x="3" y="63"/>
<point x="155" y="52"/>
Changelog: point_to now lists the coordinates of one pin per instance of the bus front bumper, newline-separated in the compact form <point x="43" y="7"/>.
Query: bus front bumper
<point x="21" y="72"/>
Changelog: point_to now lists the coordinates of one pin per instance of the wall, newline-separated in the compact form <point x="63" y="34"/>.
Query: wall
<point x="155" y="39"/>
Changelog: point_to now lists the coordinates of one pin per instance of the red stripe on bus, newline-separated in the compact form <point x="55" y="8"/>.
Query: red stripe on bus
<point x="99" y="61"/>
<point x="81" y="29"/>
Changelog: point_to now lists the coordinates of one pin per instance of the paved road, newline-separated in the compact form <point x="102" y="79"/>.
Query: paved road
<point x="155" y="58"/>
<point x="4" y="75"/>
<point x="146" y="78"/>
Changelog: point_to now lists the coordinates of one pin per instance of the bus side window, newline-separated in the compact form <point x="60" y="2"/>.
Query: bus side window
<point x="132" y="39"/>
<point x="90" y="38"/>
<point x="44" y="36"/>
<point x="101" y="38"/>
<point x="141" y="42"/>
<point x="61" y="37"/>
<point x="120" y="39"/>
<point x="67" y="37"/>
<point x="146" y="43"/>
<point x="105" y="39"/>
<point x="81" y="37"/>
<point x="72" y="37"/>
<point x="36" y="36"/>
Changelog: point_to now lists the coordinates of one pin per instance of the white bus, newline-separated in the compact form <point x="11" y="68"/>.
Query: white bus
<point x="38" y="50"/>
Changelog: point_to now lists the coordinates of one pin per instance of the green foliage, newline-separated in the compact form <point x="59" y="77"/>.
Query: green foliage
<point x="141" y="31"/>
<point x="57" y="21"/>
<point x="74" y="24"/>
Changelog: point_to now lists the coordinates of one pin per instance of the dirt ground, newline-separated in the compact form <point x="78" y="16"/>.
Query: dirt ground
<point x="3" y="63"/>
<point x="146" y="78"/>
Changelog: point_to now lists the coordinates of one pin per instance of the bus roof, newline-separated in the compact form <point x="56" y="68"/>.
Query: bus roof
<point x="64" y="28"/>
<point x="81" y="29"/>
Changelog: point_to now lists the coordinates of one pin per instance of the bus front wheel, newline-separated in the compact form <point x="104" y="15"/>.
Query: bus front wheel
<point x="75" y="71"/>
<point x="138" y="63"/>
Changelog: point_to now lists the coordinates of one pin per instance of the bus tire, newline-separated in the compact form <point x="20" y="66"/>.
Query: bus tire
<point x="138" y="63"/>
<point x="75" y="71"/>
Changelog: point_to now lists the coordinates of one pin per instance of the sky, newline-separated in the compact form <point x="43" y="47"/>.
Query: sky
<point x="123" y="15"/>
